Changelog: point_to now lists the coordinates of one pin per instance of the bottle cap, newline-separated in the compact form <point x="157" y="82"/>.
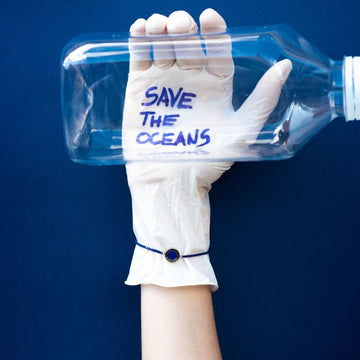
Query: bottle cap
<point x="352" y="87"/>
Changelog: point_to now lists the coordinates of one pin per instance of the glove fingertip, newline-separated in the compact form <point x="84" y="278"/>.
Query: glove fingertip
<point x="283" y="69"/>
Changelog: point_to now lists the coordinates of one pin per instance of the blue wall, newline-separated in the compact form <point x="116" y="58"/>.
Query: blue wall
<point x="285" y="242"/>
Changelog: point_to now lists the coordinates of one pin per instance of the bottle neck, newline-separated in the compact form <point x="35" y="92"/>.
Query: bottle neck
<point x="337" y="90"/>
<point x="345" y="94"/>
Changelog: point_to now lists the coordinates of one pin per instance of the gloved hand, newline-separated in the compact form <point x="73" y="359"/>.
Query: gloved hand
<point x="177" y="100"/>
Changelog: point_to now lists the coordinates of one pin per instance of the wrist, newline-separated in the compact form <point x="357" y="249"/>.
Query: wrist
<point x="170" y="211"/>
<point x="172" y="215"/>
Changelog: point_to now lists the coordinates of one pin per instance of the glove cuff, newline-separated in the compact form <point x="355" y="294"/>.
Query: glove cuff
<point x="155" y="267"/>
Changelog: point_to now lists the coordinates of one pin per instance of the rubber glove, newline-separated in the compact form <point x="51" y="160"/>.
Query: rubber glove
<point x="170" y="202"/>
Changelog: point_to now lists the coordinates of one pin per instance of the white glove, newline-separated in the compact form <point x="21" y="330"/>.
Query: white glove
<point x="183" y="101"/>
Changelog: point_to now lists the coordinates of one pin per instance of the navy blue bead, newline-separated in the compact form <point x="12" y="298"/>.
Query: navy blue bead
<point x="172" y="255"/>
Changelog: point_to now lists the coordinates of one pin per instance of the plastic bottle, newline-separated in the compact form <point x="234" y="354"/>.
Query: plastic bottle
<point x="318" y="90"/>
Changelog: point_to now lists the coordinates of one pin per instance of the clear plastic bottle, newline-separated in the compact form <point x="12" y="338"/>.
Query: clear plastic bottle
<point x="95" y="74"/>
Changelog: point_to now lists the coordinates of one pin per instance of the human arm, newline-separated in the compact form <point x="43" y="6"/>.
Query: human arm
<point x="171" y="208"/>
<point x="178" y="323"/>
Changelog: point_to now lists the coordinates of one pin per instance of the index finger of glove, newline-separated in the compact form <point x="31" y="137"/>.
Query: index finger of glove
<point x="218" y="46"/>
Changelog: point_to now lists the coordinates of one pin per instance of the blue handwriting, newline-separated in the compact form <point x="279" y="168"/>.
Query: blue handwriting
<point x="166" y="120"/>
<point x="169" y="98"/>
<point x="170" y="138"/>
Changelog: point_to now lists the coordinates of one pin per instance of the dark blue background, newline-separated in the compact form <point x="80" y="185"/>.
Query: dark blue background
<point x="285" y="242"/>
